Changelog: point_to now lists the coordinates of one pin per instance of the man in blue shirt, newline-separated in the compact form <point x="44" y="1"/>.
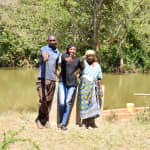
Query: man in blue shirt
<point x="49" y="57"/>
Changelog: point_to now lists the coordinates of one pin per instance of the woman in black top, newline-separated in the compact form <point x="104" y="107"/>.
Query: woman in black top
<point x="67" y="83"/>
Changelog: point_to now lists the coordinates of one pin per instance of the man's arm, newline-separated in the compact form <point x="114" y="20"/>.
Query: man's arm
<point x="57" y="70"/>
<point x="58" y="62"/>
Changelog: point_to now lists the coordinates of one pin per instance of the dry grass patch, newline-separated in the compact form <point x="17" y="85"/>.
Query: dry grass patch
<point x="117" y="135"/>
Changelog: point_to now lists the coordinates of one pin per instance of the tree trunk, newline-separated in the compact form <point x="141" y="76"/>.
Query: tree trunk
<point x="121" y="65"/>
<point x="96" y="23"/>
<point x="121" y="59"/>
<point x="65" y="2"/>
<point x="95" y="31"/>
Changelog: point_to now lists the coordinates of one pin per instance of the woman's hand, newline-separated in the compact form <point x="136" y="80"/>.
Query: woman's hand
<point x="84" y="57"/>
<point x="101" y="93"/>
<point x="82" y="61"/>
<point x="57" y="73"/>
<point x="68" y="59"/>
<point x="76" y="74"/>
<point x="100" y="88"/>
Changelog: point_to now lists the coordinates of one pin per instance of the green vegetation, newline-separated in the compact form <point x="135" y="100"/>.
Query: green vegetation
<point x="117" y="30"/>
<point x="11" y="138"/>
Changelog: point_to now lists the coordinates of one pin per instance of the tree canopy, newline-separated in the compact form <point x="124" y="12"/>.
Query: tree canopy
<point x="117" y="30"/>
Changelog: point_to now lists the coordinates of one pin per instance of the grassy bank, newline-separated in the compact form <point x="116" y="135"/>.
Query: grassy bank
<point x="19" y="132"/>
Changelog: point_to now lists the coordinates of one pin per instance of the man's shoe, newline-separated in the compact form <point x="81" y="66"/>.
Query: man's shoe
<point x="39" y="125"/>
<point x="47" y="125"/>
<point x="63" y="128"/>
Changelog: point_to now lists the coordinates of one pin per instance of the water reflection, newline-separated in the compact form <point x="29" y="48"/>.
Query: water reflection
<point x="18" y="90"/>
<point x="119" y="89"/>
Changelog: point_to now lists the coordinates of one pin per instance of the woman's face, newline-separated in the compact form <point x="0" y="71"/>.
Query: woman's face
<point x="72" y="51"/>
<point x="90" y="58"/>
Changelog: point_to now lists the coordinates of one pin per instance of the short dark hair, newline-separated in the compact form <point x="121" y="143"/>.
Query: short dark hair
<point x="51" y="35"/>
<point x="69" y="46"/>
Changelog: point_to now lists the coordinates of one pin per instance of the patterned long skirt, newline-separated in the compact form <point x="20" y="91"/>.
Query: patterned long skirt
<point x="89" y="99"/>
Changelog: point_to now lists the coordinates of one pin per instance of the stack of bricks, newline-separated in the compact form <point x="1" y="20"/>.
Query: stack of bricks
<point x="122" y="113"/>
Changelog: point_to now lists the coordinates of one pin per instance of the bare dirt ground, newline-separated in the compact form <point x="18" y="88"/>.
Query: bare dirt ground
<point x="117" y="135"/>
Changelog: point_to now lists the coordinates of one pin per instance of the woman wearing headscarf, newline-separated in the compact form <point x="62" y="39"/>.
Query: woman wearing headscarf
<point x="67" y="84"/>
<point x="90" y="89"/>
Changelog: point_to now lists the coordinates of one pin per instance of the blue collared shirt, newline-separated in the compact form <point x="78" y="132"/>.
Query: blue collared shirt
<point x="47" y="69"/>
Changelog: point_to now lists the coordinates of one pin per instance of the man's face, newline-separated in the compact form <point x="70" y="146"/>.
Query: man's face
<point x="52" y="41"/>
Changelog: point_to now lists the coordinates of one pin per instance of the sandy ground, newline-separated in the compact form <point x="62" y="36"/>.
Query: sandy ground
<point x="117" y="135"/>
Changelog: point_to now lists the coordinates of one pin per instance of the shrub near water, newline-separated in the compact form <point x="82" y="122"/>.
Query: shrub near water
<point x="24" y="26"/>
<point x="144" y="116"/>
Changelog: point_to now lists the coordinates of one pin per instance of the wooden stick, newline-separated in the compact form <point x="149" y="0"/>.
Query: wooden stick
<point x="141" y="94"/>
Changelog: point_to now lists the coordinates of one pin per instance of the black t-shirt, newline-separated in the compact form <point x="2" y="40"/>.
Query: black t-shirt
<point x="68" y="69"/>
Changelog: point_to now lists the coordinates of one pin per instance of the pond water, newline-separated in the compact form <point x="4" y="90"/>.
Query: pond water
<point x="18" y="89"/>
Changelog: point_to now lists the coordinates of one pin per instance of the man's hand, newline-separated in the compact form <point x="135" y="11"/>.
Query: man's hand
<point x="45" y="56"/>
